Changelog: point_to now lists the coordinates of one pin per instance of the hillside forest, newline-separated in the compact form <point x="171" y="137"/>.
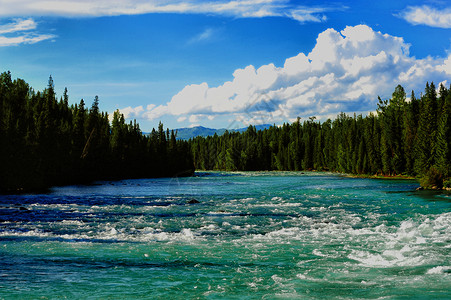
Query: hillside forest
<point x="45" y="141"/>
<point x="404" y="137"/>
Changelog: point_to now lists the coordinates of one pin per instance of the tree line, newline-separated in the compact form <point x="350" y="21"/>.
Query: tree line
<point x="44" y="141"/>
<point x="408" y="137"/>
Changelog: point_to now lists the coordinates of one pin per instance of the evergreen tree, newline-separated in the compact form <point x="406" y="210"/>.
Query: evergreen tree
<point x="426" y="133"/>
<point x="392" y="131"/>
<point x="410" y="124"/>
<point x="443" y="143"/>
<point x="45" y="142"/>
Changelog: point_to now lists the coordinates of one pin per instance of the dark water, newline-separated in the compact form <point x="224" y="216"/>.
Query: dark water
<point x="228" y="235"/>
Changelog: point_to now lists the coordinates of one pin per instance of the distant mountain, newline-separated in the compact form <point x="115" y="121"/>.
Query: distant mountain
<point x="188" y="133"/>
<point x="257" y="127"/>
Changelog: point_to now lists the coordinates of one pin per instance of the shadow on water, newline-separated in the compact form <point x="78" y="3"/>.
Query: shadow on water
<point x="433" y="195"/>
<point x="216" y="174"/>
<point x="427" y="195"/>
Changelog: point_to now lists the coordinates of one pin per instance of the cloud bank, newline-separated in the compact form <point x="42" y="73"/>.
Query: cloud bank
<point x="345" y="72"/>
<point x="96" y="8"/>
<point x="425" y="15"/>
<point x="21" y="31"/>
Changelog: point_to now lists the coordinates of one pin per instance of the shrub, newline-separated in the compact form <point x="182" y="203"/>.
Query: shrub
<point x="447" y="183"/>
<point x="432" y="180"/>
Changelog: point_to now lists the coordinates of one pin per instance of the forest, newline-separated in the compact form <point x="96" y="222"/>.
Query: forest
<point x="404" y="137"/>
<point x="46" y="142"/>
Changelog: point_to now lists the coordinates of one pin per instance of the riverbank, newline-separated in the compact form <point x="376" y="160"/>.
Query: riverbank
<point x="44" y="187"/>
<point x="377" y="176"/>
<point x="402" y="177"/>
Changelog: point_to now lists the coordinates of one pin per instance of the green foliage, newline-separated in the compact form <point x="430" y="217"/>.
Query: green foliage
<point x="404" y="137"/>
<point x="443" y="151"/>
<point x="425" y="151"/>
<point x="46" y="142"/>
<point x="432" y="179"/>
<point x="447" y="183"/>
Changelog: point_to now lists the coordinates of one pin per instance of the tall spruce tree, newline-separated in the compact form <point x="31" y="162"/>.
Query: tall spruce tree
<point x="443" y="142"/>
<point x="426" y="134"/>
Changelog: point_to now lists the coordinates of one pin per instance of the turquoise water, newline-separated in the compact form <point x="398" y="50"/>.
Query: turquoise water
<point x="253" y="235"/>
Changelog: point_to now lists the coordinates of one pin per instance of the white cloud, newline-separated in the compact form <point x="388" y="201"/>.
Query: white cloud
<point x="155" y="112"/>
<point x="345" y="71"/>
<point x="446" y="67"/>
<point x="18" y="25"/>
<point x="425" y="15"/>
<point x="307" y="15"/>
<point x="150" y="106"/>
<point x="195" y="118"/>
<point x="25" y="39"/>
<point x="21" y="31"/>
<point x="203" y="36"/>
<point x="130" y="112"/>
<point x="233" y="8"/>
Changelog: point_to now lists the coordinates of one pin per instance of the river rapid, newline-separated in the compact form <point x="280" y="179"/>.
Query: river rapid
<point x="240" y="235"/>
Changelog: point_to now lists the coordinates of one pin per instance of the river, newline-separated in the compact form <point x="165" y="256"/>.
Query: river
<point x="243" y="235"/>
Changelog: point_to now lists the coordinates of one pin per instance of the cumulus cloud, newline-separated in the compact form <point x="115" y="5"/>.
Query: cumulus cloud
<point x="425" y="15"/>
<point x="94" y="8"/>
<point x="21" y="31"/>
<point x="345" y="71"/>
<point x="130" y="112"/>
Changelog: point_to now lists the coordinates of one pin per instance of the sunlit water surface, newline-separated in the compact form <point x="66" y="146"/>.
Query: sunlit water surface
<point x="228" y="235"/>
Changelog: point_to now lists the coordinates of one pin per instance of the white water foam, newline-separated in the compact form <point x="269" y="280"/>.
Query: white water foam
<point x="411" y="244"/>
<point x="30" y="233"/>
<point x="73" y="222"/>
<point x="439" y="270"/>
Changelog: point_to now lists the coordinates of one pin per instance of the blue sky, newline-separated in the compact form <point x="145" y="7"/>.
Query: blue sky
<point x="227" y="64"/>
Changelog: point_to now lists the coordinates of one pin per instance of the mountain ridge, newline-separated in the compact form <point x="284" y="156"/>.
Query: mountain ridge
<point x="192" y="132"/>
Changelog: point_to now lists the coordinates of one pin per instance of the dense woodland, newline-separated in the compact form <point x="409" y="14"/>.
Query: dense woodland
<point x="44" y="141"/>
<point x="404" y="137"/>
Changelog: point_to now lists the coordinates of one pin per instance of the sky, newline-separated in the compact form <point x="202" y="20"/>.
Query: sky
<point x="227" y="63"/>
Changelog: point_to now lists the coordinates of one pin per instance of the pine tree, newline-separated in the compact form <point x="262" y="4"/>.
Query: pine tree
<point x="410" y="124"/>
<point x="426" y="133"/>
<point x="392" y="131"/>
<point x="443" y="143"/>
